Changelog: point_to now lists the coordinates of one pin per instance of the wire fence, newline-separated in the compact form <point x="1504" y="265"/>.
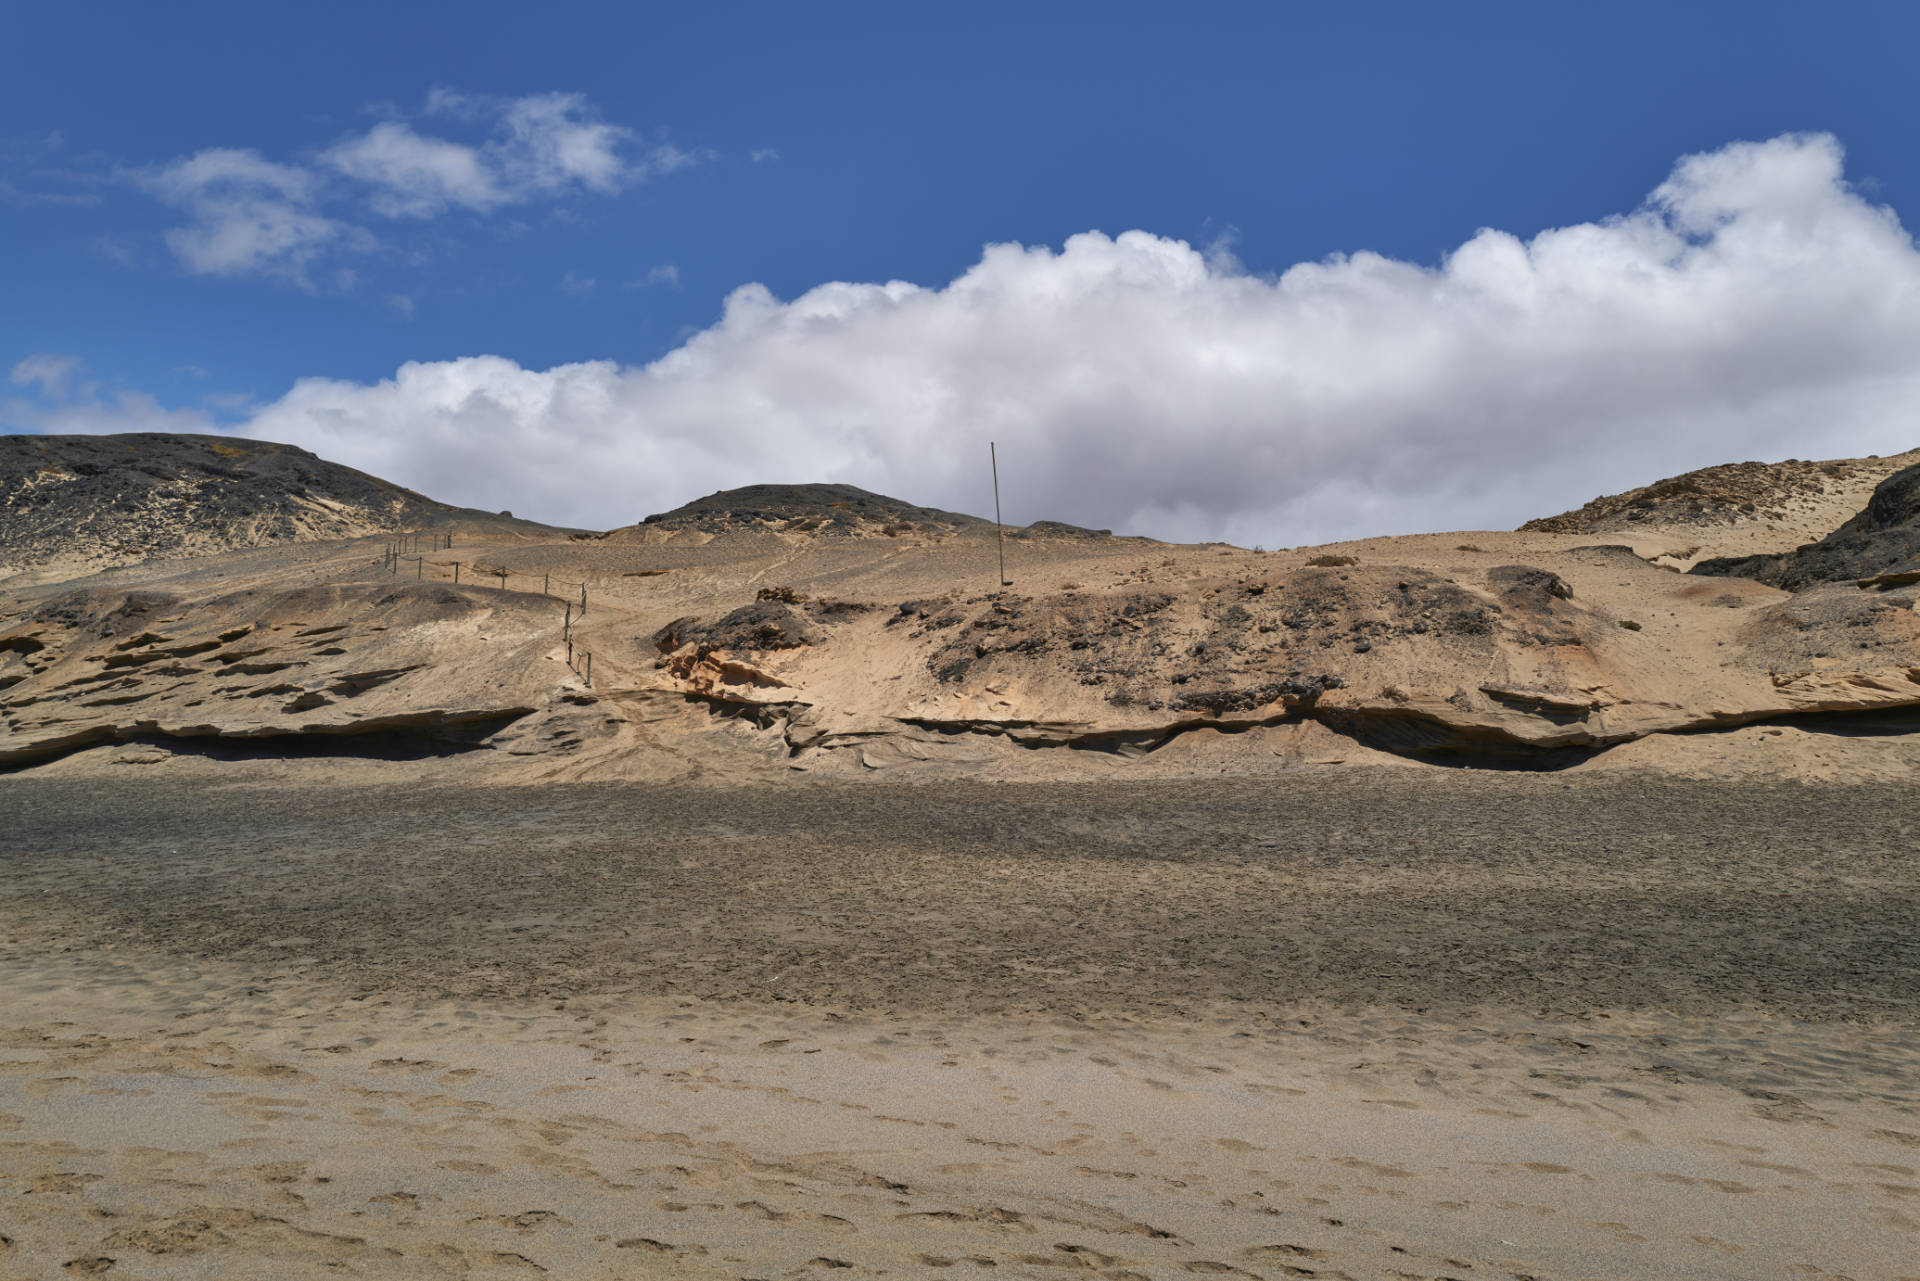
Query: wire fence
<point x="408" y="547"/>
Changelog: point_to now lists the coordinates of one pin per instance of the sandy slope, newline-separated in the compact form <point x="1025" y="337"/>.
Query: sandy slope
<point x="875" y="651"/>
<point x="1737" y="509"/>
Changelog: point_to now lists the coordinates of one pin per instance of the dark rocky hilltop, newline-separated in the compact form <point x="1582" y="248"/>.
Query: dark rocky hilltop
<point x="838" y="509"/>
<point x="1722" y="495"/>
<point x="93" y="502"/>
<point x="1882" y="542"/>
<point x="807" y="508"/>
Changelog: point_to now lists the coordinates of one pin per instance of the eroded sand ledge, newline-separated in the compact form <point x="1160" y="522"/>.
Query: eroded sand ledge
<point x="1355" y="1023"/>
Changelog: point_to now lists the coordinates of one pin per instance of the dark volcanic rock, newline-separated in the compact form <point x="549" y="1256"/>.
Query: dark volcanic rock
<point x="1527" y="582"/>
<point x="1882" y="539"/>
<point x="1719" y="495"/>
<point x="91" y="502"/>
<point x="843" y="509"/>
<point x="763" y="625"/>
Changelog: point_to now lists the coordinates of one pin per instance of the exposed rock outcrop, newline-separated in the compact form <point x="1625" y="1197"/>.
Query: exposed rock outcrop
<point x="1882" y="544"/>
<point x="77" y="504"/>
<point x="809" y="509"/>
<point x="1400" y="659"/>
<point x="429" y="661"/>
<point x="1723" y="495"/>
<point x="739" y="644"/>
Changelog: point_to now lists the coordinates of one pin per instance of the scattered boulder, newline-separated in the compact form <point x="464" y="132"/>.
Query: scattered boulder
<point x="763" y="625"/>
<point x="1525" y="582"/>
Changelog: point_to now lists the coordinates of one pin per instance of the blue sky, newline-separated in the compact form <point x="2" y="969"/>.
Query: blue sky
<point x="204" y="204"/>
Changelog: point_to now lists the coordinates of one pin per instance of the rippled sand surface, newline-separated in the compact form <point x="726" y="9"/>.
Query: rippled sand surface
<point x="1367" y="1024"/>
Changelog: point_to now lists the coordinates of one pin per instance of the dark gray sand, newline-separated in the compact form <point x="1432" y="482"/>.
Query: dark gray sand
<point x="1419" y="1025"/>
<point x="1449" y="889"/>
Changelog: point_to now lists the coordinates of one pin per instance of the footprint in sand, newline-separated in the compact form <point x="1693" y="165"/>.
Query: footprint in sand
<point x="1715" y="1243"/>
<point x="1282" y="1250"/>
<point x="1891" y="1218"/>
<point x="508" y="1259"/>
<point x="525" y="1221"/>
<point x="1075" y="1256"/>
<point x="1095" y="1172"/>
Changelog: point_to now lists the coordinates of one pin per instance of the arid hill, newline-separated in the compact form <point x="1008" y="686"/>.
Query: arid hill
<point x="1723" y="495"/>
<point x="75" y="504"/>
<point x="1733" y="510"/>
<point x="836" y="510"/>
<point x="825" y="509"/>
<point x="781" y="630"/>
<point x="1882" y="543"/>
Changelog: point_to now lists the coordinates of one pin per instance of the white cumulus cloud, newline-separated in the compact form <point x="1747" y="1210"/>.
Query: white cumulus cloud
<point x="1754" y="306"/>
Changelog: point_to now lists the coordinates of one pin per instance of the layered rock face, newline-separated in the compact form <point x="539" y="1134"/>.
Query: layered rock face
<point x="1509" y="661"/>
<point x="404" y="667"/>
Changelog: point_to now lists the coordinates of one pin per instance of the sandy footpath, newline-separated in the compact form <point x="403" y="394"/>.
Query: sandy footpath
<point x="1362" y="1024"/>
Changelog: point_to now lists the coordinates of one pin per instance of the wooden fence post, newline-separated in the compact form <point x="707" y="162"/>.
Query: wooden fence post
<point x="589" y="669"/>
<point x="456" y="573"/>
<point x="583" y="598"/>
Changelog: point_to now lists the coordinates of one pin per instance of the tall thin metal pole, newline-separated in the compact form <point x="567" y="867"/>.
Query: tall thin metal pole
<point x="994" y="459"/>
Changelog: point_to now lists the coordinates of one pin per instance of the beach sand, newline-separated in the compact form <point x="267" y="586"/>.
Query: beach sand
<point x="258" y="1021"/>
